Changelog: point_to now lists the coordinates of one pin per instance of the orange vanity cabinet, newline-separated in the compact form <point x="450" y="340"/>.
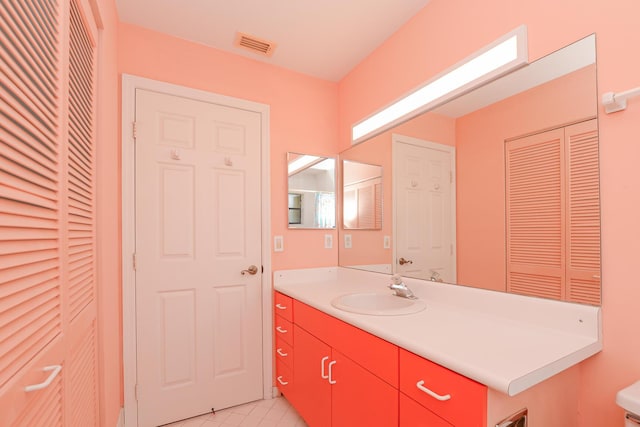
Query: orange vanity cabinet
<point x="343" y="376"/>
<point x="283" y="336"/>
<point x="454" y="398"/>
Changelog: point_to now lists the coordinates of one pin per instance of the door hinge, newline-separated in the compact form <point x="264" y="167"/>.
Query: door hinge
<point x="135" y="130"/>
<point x="135" y="262"/>
<point x="451" y="177"/>
<point x="135" y="391"/>
<point x="451" y="249"/>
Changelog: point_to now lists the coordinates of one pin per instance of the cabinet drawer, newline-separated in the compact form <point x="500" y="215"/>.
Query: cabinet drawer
<point x="284" y="329"/>
<point x="413" y="414"/>
<point x="462" y="402"/>
<point x="283" y="306"/>
<point x="284" y="352"/>
<point x="372" y="353"/>
<point x="284" y="377"/>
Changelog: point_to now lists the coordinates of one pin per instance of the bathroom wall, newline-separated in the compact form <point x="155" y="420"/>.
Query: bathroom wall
<point x="303" y="116"/>
<point x="446" y="31"/>
<point x="108" y="217"/>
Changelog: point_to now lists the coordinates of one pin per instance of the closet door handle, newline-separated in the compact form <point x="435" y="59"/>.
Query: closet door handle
<point x="331" y="380"/>
<point x="56" y="370"/>
<point x="281" y="353"/>
<point x="281" y="330"/>
<point x="322" y="373"/>
<point x="281" y="307"/>
<point x="420" y="385"/>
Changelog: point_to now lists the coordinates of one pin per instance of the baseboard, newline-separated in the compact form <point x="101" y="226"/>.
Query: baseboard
<point x="121" y="418"/>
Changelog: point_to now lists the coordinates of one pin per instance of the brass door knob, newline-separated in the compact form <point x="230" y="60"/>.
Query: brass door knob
<point x="403" y="261"/>
<point x="251" y="270"/>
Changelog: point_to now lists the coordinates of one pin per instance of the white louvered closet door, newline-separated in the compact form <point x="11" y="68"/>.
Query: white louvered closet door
<point x="553" y="214"/>
<point x="47" y="214"/>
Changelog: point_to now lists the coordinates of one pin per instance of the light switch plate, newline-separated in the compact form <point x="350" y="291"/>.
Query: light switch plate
<point x="278" y="244"/>
<point x="347" y="241"/>
<point x="328" y="241"/>
<point x="387" y="242"/>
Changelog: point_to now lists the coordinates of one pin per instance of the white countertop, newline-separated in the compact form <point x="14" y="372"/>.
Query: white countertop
<point x="505" y="341"/>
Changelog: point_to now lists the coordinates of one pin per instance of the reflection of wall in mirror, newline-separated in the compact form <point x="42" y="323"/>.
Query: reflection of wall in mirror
<point x="481" y="167"/>
<point x="368" y="245"/>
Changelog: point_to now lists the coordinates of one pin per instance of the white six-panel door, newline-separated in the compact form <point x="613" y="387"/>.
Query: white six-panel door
<point x="198" y="226"/>
<point x="424" y="214"/>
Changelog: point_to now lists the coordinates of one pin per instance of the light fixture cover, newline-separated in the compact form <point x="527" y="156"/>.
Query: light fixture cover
<point x="504" y="55"/>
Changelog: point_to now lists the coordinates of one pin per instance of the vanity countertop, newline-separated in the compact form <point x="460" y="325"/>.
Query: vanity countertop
<point x="507" y="342"/>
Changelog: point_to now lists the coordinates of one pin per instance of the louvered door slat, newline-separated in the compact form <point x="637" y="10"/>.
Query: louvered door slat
<point x="81" y="196"/>
<point x="45" y="410"/>
<point x="83" y="391"/>
<point x="30" y="301"/>
<point x="583" y="213"/>
<point x="534" y="188"/>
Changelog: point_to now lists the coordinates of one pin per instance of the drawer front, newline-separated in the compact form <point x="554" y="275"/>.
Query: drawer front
<point x="413" y="414"/>
<point x="284" y="378"/>
<point x="284" y="352"/>
<point x="456" y="398"/>
<point x="283" y="306"/>
<point x="284" y="329"/>
<point x="372" y="353"/>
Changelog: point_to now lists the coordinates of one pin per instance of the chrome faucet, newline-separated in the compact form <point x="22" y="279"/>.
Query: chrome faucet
<point x="399" y="288"/>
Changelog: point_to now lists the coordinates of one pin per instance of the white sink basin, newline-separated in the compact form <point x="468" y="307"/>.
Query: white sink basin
<point x="381" y="304"/>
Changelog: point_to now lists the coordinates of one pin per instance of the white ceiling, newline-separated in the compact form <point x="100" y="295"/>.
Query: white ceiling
<point x="321" y="38"/>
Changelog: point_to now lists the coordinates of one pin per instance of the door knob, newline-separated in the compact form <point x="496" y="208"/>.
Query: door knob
<point x="403" y="261"/>
<point x="251" y="270"/>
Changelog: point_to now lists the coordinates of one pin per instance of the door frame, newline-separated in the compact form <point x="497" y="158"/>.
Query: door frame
<point x="130" y="84"/>
<point x="403" y="139"/>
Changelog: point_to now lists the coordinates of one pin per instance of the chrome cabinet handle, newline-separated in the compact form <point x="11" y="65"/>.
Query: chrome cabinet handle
<point x="281" y="330"/>
<point x="282" y="382"/>
<point x="330" y="377"/>
<point x="322" y="373"/>
<point x="420" y="385"/>
<point x="251" y="270"/>
<point x="403" y="261"/>
<point x="56" y="370"/>
<point x="281" y="307"/>
<point x="281" y="353"/>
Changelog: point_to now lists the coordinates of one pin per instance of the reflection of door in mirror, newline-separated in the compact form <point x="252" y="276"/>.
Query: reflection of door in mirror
<point x="425" y="209"/>
<point x="311" y="201"/>
<point x="361" y="196"/>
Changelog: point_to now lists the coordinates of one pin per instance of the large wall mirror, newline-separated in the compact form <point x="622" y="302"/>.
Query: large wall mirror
<point x="311" y="191"/>
<point x="497" y="189"/>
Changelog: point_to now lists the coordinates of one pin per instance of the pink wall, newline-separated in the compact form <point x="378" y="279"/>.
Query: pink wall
<point x="108" y="219"/>
<point x="480" y="162"/>
<point x="303" y="113"/>
<point x="446" y="31"/>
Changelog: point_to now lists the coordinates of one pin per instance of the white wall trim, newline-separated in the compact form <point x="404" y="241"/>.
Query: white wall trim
<point x="403" y="139"/>
<point x="129" y="85"/>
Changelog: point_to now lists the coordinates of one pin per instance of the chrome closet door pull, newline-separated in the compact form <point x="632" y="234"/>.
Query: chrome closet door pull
<point x="56" y="370"/>
<point x="420" y="385"/>
<point x="281" y="330"/>
<point x="281" y="353"/>
<point x="281" y="307"/>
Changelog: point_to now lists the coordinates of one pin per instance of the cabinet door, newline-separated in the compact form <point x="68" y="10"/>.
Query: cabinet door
<point x="412" y="414"/>
<point x="312" y="392"/>
<point x="359" y="398"/>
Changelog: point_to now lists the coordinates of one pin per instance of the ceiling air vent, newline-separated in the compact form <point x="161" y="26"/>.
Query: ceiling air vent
<point x="254" y="44"/>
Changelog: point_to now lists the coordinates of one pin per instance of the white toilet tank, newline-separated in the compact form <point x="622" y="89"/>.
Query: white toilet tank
<point x="629" y="399"/>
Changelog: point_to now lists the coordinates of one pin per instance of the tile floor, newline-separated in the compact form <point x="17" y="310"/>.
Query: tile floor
<point x="276" y="412"/>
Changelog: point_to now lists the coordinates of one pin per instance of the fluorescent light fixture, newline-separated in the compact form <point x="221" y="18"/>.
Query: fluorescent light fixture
<point x="500" y="57"/>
